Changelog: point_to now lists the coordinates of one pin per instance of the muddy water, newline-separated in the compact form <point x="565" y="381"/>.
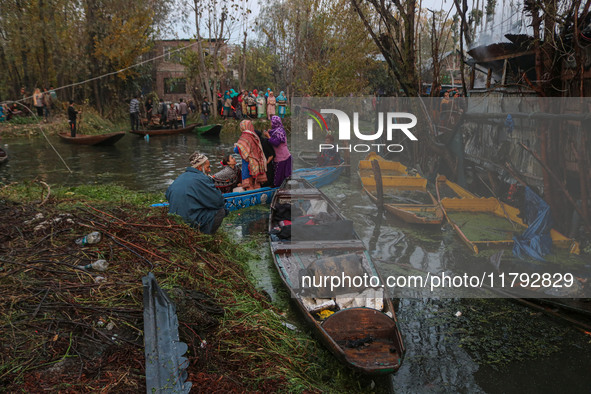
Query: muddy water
<point x="442" y="355"/>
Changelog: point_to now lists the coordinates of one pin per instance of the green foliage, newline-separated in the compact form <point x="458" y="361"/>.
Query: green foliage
<point x="74" y="41"/>
<point x="487" y="330"/>
<point x="262" y="66"/>
<point x="490" y="7"/>
<point x="33" y="191"/>
<point x="322" y="46"/>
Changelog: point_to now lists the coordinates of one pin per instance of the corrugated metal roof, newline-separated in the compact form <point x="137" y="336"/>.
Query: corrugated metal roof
<point x="165" y="364"/>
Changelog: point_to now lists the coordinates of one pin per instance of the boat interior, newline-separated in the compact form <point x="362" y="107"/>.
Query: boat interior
<point x="313" y="243"/>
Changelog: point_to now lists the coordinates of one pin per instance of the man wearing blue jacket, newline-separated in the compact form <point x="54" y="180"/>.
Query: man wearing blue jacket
<point x="194" y="197"/>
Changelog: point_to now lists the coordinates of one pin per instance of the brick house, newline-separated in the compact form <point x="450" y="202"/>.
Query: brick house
<point x="170" y="81"/>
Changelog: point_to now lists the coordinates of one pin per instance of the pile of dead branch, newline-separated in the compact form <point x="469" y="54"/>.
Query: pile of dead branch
<point x="70" y="329"/>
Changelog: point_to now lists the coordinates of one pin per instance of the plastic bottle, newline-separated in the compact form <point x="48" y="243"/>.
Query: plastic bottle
<point x="92" y="238"/>
<point x="99" y="265"/>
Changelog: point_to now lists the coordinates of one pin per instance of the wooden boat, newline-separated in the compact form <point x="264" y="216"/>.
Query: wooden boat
<point x="405" y="196"/>
<point x="318" y="176"/>
<point x="99" y="139"/>
<point x="157" y="132"/>
<point x="3" y="156"/>
<point x="357" y="325"/>
<point x="486" y="222"/>
<point x="211" y="130"/>
<point x="249" y="198"/>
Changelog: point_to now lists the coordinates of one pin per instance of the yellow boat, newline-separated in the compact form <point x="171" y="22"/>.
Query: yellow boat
<point x="405" y="195"/>
<point x="486" y="222"/>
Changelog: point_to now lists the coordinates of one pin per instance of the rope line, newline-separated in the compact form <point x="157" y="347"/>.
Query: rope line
<point x="112" y="72"/>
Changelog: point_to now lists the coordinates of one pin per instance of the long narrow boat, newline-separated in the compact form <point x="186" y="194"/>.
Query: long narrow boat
<point x="157" y="132"/>
<point x="486" y="222"/>
<point x="99" y="139"/>
<point x="405" y="196"/>
<point x="3" y="156"/>
<point x="357" y="324"/>
<point x="318" y="176"/>
<point x="210" y="130"/>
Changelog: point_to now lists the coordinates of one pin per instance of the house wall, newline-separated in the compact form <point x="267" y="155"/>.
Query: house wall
<point x="166" y="67"/>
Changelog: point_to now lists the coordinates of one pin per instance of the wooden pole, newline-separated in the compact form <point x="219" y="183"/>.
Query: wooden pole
<point x="583" y="172"/>
<point x="515" y="175"/>
<point x="560" y="184"/>
<point x="377" y="173"/>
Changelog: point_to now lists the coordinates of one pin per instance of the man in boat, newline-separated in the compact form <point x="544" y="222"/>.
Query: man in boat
<point x="72" y="113"/>
<point x="194" y="197"/>
<point x="162" y="111"/>
<point x="205" y="111"/>
<point x="329" y="157"/>
<point x="183" y="111"/>
<point x="172" y="115"/>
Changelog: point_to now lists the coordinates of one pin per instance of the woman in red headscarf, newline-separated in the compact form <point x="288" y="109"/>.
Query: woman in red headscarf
<point x="254" y="164"/>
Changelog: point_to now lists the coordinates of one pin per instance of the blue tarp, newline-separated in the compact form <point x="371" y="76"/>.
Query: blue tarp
<point x="535" y="241"/>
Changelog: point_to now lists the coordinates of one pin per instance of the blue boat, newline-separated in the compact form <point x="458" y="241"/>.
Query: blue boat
<point x="317" y="176"/>
<point x="239" y="200"/>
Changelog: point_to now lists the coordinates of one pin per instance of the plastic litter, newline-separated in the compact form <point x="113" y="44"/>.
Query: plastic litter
<point x="289" y="326"/>
<point x="99" y="265"/>
<point x="325" y="313"/>
<point x="92" y="238"/>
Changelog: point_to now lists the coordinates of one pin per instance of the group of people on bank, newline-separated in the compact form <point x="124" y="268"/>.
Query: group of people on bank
<point x="43" y="102"/>
<point x="266" y="161"/>
<point x="252" y="104"/>
<point x="239" y="105"/>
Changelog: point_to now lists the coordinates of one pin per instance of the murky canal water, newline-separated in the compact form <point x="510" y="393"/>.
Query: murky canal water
<point x="442" y="355"/>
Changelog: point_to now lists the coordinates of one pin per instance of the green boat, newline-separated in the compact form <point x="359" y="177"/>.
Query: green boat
<point x="210" y="130"/>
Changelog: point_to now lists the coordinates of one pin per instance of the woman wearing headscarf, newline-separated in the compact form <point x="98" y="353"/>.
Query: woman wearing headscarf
<point x="234" y="107"/>
<point x="229" y="176"/>
<point x="271" y="105"/>
<point x="278" y="138"/>
<point x="227" y="104"/>
<point x="281" y="104"/>
<point x="254" y="164"/>
<point x="242" y="99"/>
<point x="261" y="105"/>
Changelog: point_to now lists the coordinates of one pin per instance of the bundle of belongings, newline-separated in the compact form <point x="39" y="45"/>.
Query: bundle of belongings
<point x="324" y="301"/>
<point x="310" y="221"/>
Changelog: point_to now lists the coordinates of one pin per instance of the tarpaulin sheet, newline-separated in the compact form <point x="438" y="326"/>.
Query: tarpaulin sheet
<point x="535" y="240"/>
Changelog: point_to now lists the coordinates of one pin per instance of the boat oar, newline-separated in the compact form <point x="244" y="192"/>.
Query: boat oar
<point x="500" y="202"/>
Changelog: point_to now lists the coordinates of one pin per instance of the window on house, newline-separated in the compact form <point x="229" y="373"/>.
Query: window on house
<point x="175" y="85"/>
<point x="171" y="54"/>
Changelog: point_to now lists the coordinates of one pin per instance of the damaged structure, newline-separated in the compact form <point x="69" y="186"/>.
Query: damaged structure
<point x="512" y="128"/>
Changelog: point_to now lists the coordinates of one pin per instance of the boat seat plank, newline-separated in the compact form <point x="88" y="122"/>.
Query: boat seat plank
<point x="299" y="192"/>
<point x="348" y="245"/>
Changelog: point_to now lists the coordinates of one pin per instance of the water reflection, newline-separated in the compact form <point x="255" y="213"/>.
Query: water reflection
<point x="139" y="164"/>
